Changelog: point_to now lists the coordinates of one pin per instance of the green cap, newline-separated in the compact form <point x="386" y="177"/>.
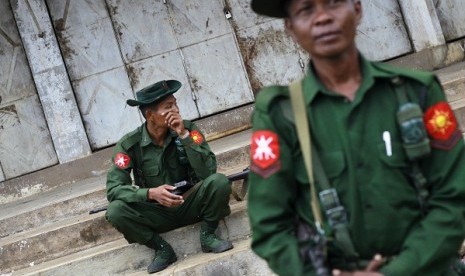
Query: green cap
<point x="154" y="92"/>
<point x="273" y="8"/>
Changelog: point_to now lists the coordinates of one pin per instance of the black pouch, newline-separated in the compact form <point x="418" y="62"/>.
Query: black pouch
<point x="182" y="187"/>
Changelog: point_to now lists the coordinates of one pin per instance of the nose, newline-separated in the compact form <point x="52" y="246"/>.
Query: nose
<point x="322" y="14"/>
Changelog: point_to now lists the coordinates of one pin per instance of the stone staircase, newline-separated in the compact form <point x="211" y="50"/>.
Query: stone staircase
<point x="52" y="233"/>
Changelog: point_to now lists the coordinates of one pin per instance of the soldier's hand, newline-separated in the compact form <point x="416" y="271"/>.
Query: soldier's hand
<point x="337" y="272"/>
<point x="162" y="194"/>
<point x="370" y="270"/>
<point x="174" y="121"/>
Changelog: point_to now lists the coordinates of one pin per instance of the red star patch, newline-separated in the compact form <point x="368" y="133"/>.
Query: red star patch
<point x="264" y="152"/>
<point x="122" y="160"/>
<point x="441" y="126"/>
<point x="196" y="137"/>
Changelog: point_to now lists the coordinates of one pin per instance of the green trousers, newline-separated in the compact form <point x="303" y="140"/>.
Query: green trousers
<point x="140" y="221"/>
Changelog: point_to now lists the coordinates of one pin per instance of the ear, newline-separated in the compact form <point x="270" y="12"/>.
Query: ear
<point x="148" y="114"/>
<point x="358" y="11"/>
<point x="289" y="29"/>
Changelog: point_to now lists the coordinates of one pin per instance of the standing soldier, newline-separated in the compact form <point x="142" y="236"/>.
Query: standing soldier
<point x="388" y="159"/>
<point x="163" y="151"/>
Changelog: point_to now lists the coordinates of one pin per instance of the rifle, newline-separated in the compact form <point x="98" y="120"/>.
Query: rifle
<point x="233" y="177"/>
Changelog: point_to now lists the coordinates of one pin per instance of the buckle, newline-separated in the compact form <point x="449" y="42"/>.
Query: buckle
<point x="336" y="216"/>
<point x="329" y="198"/>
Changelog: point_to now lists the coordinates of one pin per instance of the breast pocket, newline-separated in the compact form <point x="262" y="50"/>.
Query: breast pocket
<point x="333" y="165"/>
<point x="397" y="158"/>
<point x="152" y="176"/>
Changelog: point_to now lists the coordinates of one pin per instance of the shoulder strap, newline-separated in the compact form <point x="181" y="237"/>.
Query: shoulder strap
<point x="303" y="132"/>
<point x="335" y="212"/>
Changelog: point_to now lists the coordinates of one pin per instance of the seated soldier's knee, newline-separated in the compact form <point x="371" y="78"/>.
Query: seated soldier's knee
<point x="114" y="211"/>
<point x="219" y="181"/>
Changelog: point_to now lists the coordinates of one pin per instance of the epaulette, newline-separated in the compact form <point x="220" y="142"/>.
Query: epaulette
<point x="424" y="77"/>
<point x="188" y="124"/>
<point x="268" y="94"/>
<point x="130" y="139"/>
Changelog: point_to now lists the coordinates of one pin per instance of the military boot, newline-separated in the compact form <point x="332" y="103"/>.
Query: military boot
<point x="209" y="241"/>
<point x="164" y="254"/>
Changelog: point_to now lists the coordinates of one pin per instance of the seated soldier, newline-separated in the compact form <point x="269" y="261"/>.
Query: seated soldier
<point x="163" y="151"/>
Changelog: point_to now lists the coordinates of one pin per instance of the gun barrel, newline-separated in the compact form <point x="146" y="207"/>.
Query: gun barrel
<point x="240" y="175"/>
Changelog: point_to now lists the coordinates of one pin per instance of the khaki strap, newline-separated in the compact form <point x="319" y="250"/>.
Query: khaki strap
<point x="341" y="231"/>
<point x="303" y="132"/>
<point x="191" y="190"/>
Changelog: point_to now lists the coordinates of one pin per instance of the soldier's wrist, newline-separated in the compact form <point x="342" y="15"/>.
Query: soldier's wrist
<point x="184" y="134"/>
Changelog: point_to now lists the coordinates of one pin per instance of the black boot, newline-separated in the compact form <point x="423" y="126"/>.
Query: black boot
<point x="209" y="241"/>
<point x="164" y="254"/>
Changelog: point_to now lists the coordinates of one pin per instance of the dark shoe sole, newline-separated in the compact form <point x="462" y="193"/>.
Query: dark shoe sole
<point x="151" y="270"/>
<point x="227" y="246"/>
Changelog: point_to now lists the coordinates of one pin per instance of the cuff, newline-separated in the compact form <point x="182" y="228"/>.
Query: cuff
<point x="399" y="266"/>
<point x="141" y="194"/>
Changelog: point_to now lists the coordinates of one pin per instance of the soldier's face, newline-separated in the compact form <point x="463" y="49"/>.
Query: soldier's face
<point x="168" y="104"/>
<point x="324" y="28"/>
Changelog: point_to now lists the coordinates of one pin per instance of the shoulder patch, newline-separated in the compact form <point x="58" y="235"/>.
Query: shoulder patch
<point x="264" y="152"/>
<point x="196" y="137"/>
<point x="441" y="126"/>
<point x="122" y="160"/>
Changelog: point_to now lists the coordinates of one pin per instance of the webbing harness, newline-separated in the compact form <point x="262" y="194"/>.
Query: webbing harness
<point x="334" y="211"/>
<point x="415" y="140"/>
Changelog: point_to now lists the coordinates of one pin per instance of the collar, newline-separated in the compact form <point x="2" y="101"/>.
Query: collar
<point x="147" y="140"/>
<point x="312" y="85"/>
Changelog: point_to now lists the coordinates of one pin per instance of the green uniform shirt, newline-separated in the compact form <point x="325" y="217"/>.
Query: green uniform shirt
<point x="383" y="210"/>
<point x="154" y="165"/>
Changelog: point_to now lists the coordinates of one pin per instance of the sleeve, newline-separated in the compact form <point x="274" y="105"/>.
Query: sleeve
<point x="432" y="244"/>
<point x="119" y="182"/>
<point x="271" y="198"/>
<point x="201" y="158"/>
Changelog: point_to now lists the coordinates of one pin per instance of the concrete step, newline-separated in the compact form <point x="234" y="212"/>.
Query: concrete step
<point x="237" y="262"/>
<point x="117" y="257"/>
<point x="452" y="79"/>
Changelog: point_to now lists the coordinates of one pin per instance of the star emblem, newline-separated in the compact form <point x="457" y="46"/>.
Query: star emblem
<point x="264" y="149"/>
<point x="196" y="137"/>
<point x="122" y="160"/>
<point x="440" y="121"/>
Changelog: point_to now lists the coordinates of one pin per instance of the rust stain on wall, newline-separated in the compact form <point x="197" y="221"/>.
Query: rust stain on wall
<point x="8" y="117"/>
<point x="66" y="50"/>
<point x="250" y="48"/>
<point x="133" y="74"/>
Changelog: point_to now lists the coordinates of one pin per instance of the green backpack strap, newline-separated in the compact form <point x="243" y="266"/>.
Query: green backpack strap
<point x="335" y="212"/>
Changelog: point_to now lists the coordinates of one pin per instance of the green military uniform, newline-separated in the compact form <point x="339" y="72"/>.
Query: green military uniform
<point x="183" y="159"/>
<point x="381" y="202"/>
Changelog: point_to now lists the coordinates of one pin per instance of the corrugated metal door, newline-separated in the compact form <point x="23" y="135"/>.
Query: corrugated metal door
<point x="97" y="72"/>
<point x="451" y="14"/>
<point x="382" y="33"/>
<point x="25" y="142"/>
<point x="113" y="48"/>
<point x="271" y="57"/>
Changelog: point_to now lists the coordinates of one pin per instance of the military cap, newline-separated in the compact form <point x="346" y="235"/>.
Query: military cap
<point x="154" y="92"/>
<point x="273" y="8"/>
